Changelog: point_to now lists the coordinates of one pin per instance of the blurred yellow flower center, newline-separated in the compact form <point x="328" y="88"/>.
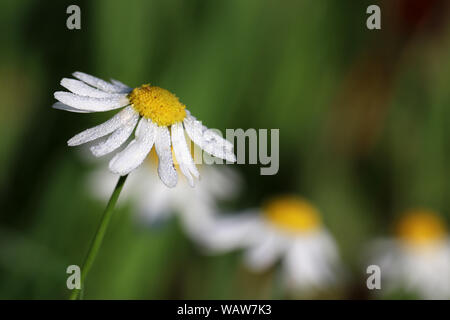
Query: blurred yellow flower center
<point x="152" y="158"/>
<point x="157" y="104"/>
<point x="420" y="227"/>
<point x="292" y="214"/>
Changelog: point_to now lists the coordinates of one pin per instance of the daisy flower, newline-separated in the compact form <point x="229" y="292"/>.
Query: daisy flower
<point x="417" y="259"/>
<point x="155" y="202"/>
<point x="289" y="229"/>
<point x="156" y="117"/>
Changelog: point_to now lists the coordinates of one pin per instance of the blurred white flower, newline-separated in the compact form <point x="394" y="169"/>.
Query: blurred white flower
<point x="154" y="202"/>
<point x="417" y="259"/>
<point x="158" y="117"/>
<point x="287" y="229"/>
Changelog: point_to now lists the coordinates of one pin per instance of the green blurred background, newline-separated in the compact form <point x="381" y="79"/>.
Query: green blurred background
<point x="363" y="118"/>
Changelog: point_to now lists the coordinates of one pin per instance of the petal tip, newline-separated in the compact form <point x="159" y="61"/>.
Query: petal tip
<point x="231" y="158"/>
<point x="170" y="185"/>
<point x="71" y="143"/>
<point x="95" y="151"/>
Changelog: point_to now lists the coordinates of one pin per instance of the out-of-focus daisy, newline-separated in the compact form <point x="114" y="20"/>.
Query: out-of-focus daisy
<point x="196" y="207"/>
<point x="289" y="229"/>
<point x="154" y="114"/>
<point x="417" y="259"/>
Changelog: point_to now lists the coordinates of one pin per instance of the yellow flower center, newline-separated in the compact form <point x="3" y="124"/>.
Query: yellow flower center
<point x="292" y="214"/>
<point x="419" y="227"/>
<point x="157" y="104"/>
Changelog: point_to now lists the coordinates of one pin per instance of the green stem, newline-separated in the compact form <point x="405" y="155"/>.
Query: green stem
<point x="98" y="238"/>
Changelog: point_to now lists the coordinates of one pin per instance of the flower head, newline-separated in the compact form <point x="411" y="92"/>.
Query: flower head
<point x="420" y="228"/>
<point x="417" y="257"/>
<point x="286" y="228"/>
<point x="155" y="115"/>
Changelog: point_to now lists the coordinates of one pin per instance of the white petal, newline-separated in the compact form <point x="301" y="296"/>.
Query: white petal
<point x="96" y="82"/>
<point x="218" y="146"/>
<point x="80" y="88"/>
<point x="91" y="104"/>
<point x="301" y="270"/>
<point x="166" y="169"/>
<point x="197" y="217"/>
<point x="103" y="129"/>
<point x="212" y="137"/>
<point x="116" y="139"/>
<point x="231" y="232"/>
<point x="65" y="107"/>
<point x="136" y="151"/>
<point x="182" y="153"/>
<point x="207" y="134"/>
<point x="222" y="182"/>
<point x="123" y="88"/>
<point x="312" y="261"/>
<point x="208" y="140"/>
<point x="101" y="182"/>
<point x="154" y="199"/>
<point x="265" y="253"/>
